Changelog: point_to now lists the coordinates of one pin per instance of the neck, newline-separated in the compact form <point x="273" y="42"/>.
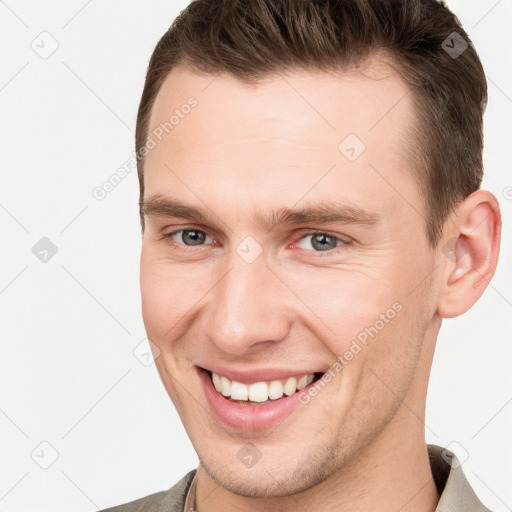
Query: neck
<point x="389" y="475"/>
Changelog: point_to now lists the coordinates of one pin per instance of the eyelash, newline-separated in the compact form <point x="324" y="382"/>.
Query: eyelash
<point x="187" y="248"/>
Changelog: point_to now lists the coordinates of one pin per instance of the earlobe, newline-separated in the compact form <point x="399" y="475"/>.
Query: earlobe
<point x="470" y="256"/>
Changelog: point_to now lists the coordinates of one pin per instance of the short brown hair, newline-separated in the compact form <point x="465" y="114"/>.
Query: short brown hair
<point x="254" y="39"/>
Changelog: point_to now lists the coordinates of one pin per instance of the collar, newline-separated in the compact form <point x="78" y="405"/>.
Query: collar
<point x="456" y="495"/>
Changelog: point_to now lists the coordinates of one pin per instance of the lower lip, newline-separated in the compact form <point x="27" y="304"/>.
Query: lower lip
<point x="249" y="417"/>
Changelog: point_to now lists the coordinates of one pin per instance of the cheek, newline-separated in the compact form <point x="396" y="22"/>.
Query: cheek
<point x="340" y="304"/>
<point x="169" y="291"/>
<point x="364" y="316"/>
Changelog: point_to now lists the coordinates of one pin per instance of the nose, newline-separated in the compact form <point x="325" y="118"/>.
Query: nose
<point x="249" y="306"/>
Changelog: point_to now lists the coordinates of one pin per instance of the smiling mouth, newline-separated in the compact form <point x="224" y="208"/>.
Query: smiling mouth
<point x="260" y="393"/>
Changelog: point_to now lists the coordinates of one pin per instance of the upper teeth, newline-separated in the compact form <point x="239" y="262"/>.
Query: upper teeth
<point x="260" y="391"/>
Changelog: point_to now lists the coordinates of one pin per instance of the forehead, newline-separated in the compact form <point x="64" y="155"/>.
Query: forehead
<point x="280" y="135"/>
<point x="357" y="99"/>
<point x="375" y="80"/>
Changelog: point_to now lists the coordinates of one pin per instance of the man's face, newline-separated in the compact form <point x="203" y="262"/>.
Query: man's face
<point x="259" y="302"/>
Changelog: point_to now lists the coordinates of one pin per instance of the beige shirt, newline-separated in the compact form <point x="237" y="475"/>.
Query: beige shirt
<point x="453" y="487"/>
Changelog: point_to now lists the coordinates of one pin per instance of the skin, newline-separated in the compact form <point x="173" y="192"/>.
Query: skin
<point x="359" y="444"/>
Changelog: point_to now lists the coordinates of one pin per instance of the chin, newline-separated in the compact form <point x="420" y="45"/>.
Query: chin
<point x="269" y="479"/>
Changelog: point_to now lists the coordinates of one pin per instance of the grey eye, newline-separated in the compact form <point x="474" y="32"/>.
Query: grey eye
<point x="321" y="242"/>
<point x="190" y="237"/>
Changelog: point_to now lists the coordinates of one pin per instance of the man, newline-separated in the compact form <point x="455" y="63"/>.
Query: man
<point x="311" y="210"/>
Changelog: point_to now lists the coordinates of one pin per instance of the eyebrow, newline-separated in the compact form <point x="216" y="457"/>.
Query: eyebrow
<point x="317" y="213"/>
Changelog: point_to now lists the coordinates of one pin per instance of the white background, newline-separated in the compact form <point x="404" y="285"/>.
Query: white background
<point x="69" y="326"/>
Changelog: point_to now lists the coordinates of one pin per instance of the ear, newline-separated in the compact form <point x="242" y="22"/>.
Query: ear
<point x="468" y="253"/>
